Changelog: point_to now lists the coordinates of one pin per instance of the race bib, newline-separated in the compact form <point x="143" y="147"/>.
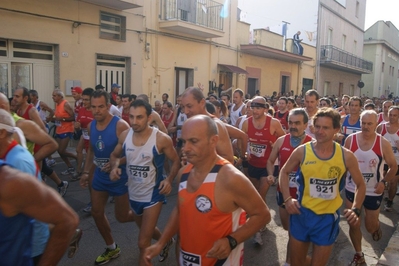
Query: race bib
<point x="189" y="259"/>
<point x="395" y="149"/>
<point x="100" y="162"/>
<point x="323" y="189"/>
<point x="85" y="133"/>
<point x="293" y="182"/>
<point x="57" y="123"/>
<point x="257" y="150"/>
<point x="138" y="173"/>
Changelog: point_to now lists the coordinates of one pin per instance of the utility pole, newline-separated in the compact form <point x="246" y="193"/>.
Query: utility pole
<point x="284" y="33"/>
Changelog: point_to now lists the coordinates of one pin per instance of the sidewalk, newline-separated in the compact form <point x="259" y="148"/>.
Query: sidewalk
<point x="390" y="256"/>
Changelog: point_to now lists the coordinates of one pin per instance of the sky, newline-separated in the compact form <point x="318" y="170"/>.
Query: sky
<point x="259" y="14"/>
<point x="382" y="10"/>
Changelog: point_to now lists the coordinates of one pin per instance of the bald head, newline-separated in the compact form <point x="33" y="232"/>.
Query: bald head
<point x="143" y="97"/>
<point x="202" y="121"/>
<point x="4" y="103"/>
<point x="195" y="92"/>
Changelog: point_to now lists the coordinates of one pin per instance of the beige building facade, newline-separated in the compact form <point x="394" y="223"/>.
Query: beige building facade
<point x="151" y="47"/>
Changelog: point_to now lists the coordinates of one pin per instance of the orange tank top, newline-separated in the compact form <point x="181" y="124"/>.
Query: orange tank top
<point x="201" y="222"/>
<point x="61" y="126"/>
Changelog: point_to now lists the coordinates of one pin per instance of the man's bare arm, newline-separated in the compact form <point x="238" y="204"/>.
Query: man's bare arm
<point x="35" y="117"/>
<point x="171" y="154"/>
<point x="390" y="160"/>
<point x="158" y="121"/>
<point x="279" y="131"/>
<point x="352" y="166"/>
<point x="240" y="135"/>
<point x="115" y="156"/>
<point x="224" y="147"/>
<point x="273" y="155"/>
<point x="22" y="193"/>
<point x="69" y="110"/>
<point x="33" y="133"/>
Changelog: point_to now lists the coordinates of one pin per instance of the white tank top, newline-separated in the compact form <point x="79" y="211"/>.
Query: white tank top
<point x="144" y="166"/>
<point x="371" y="165"/>
<point x="181" y="118"/>
<point x="234" y="115"/>
<point x="393" y="139"/>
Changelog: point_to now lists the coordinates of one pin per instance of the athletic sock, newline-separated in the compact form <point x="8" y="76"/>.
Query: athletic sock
<point x="112" y="246"/>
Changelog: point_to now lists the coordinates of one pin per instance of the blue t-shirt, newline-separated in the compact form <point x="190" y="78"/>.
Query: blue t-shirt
<point x="15" y="238"/>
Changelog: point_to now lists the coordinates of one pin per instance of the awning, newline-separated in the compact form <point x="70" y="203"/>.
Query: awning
<point x="234" y="69"/>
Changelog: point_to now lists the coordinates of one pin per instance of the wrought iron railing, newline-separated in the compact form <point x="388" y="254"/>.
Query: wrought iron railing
<point x="331" y="53"/>
<point x="205" y="13"/>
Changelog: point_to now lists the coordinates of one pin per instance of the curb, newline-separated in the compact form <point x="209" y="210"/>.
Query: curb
<point x="390" y="256"/>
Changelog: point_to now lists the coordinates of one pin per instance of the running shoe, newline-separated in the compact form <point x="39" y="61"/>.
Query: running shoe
<point x="108" y="255"/>
<point x="75" y="176"/>
<point x="63" y="190"/>
<point x="68" y="171"/>
<point x="357" y="260"/>
<point x="88" y="208"/>
<point x="165" y="251"/>
<point x="388" y="206"/>
<point x="258" y="239"/>
<point x="50" y="163"/>
<point x="263" y="228"/>
<point x="74" y="244"/>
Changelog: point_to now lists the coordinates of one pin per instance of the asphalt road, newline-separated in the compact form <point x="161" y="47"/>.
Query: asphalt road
<point x="271" y="253"/>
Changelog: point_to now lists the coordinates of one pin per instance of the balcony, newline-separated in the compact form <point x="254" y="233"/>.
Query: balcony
<point x="199" y="18"/>
<point x="117" y="4"/>
<point x="332" y="57"/>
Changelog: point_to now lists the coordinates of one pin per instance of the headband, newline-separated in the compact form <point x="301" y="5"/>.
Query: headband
<point x="9" y="129"/>
<point x="256" y="104"/>
<point x="17" y="130"/>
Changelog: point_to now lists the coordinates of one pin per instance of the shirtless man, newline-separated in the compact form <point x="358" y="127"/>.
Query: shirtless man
<point x="22" y="199"/>
<point x="193" y="103"/>
<point x="211" y="192"/>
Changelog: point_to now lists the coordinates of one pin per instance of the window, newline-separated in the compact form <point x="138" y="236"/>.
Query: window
<point x="354" y="47"/>
<point x="343" y="42"/>
<point x="112" y="27"/>
<point x="326" y="90"/>
<point x="357" y="9"/>
<point x="329" y="36"/>
<point x="383" y="66"/>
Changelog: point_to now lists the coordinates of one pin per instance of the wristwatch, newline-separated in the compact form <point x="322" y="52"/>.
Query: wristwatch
<point x="232" y="242"/>
<point x="356" y="211"/>
<point x="384" y="182"/>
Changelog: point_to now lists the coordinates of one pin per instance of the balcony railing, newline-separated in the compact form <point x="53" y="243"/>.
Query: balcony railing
<point x="332" y="54"/>
<point x="205" y="13"/>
